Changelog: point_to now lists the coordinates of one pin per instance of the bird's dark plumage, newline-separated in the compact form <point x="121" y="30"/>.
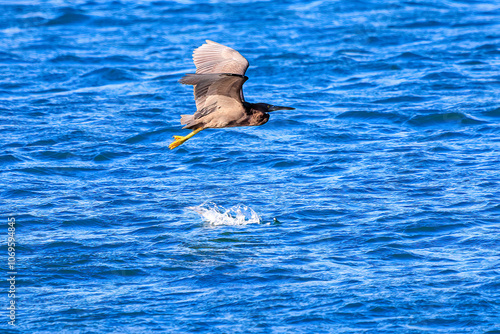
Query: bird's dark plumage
<point x="218" y="92"/>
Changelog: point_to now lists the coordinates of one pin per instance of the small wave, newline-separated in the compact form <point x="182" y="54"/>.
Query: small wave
<point x="73" y="59"/>
<point x="216" y="215"/>
<point x="409" y="56"/>
<point x="401" y="99"/>
<point x="111" y="74"/>
<point x="110" y="156"/>
<point x="374" y="115"/>
<point x="9" y="159"/>
<point x="444" y="118"/>
<point x="492" y="113"/>
<point x="6" y="57"/>
<point x="106" y="76"/>
<point x="146" y="136"/>
<point x="443" y="76"/>
<point x="421" y="24"/>
<point x="69" y="18"/>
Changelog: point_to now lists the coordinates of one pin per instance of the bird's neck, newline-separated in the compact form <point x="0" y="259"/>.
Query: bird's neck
<point x="255" y="116"/>
<point x="248" y="107"/>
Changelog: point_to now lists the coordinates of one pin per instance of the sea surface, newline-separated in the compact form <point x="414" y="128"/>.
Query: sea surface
<point x="374" y="207"/>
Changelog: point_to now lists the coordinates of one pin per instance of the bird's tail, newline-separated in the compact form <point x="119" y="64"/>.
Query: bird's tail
<point x="187" y="120"/>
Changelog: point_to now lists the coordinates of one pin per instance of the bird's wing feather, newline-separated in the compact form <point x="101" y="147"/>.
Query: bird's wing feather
<point x="213" y="57"/>
<point x="215" y="91"/>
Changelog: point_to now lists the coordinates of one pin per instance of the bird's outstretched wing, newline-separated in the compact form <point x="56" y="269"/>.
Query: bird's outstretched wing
<point x="213" y="57"/>
<point x="216" y="91"/>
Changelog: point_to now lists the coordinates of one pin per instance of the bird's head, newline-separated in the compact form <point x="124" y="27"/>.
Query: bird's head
<point x="265" y="107"/>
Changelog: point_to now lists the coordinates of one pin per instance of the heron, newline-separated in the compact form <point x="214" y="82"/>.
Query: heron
<point x="218" y="92"/>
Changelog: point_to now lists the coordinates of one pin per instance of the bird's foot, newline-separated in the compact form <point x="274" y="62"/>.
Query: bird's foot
<point x="179" y="140"/>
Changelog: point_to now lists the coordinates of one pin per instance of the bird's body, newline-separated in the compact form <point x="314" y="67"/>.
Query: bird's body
<point x="249" y="115"/>
<point x="218" y="83"/>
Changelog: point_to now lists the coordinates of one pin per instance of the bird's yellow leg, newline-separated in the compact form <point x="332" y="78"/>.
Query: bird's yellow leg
<point x="179" y="140"/>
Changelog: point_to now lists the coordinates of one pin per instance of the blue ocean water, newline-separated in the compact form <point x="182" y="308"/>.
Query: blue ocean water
<point x="372" y="208"/>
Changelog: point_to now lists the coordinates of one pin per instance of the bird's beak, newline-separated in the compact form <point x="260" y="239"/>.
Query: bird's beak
<point x="274" y="108"/>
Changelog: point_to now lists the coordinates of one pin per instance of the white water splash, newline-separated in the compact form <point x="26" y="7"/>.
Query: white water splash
<point x="237" y="215"/>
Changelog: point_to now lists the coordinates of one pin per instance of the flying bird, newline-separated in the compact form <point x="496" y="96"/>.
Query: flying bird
<point x="218" y="92"/>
